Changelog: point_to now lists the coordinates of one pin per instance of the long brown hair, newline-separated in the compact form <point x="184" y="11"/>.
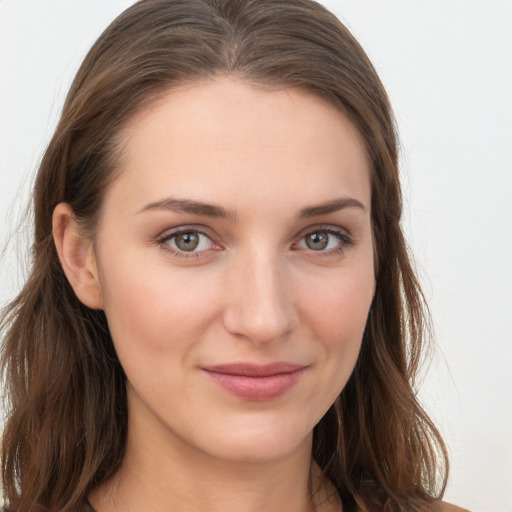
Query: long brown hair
<point x="67" y="420"/>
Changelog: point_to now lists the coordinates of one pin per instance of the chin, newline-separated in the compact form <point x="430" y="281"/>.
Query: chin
<point x="259" y="445"/>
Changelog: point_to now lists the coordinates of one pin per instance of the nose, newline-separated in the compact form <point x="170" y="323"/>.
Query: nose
<point x="259" y="306"/>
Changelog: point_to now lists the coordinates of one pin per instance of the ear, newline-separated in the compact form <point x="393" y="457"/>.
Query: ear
<point x="77" y="257"/>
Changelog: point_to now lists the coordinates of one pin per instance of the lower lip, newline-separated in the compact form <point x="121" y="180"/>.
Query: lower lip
<point x="256" y="388"/>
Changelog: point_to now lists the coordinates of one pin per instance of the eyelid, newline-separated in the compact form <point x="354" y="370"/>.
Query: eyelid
<point x="346" y="239"/>
<point x="168" y="234"/>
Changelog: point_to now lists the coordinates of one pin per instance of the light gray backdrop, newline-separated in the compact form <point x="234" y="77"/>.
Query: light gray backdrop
<point x="447" y="65"/>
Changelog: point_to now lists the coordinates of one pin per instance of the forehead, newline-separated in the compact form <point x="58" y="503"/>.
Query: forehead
<point x="230" y="137"/>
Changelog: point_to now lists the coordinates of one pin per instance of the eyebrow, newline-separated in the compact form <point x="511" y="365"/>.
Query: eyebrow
<point x="330" y="207"/>
<point x="189" y="206"/>
<point x="215" y="211"/>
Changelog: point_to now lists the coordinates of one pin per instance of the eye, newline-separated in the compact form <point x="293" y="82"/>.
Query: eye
<point x="327" y="240"/>
<point x="186" y="241"/>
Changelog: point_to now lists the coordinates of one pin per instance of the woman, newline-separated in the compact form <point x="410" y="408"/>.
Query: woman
<point x="221" y="313"/>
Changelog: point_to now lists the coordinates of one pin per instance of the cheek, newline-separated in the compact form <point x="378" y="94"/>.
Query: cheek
<point x="339" y="307"/>
<point x="150" y="308"/>
<point x="336" y="313"/>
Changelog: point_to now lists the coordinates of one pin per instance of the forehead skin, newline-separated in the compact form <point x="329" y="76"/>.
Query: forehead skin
<point x="233" y="139"/>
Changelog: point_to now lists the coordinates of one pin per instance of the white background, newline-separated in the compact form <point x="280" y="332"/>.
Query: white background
<point x="447" y="65"/>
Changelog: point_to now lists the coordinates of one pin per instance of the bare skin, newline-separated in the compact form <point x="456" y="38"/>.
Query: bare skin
<point x="238" y="232"/>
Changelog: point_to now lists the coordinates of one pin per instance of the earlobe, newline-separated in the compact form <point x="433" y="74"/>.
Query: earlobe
<point x="77" y="257"/>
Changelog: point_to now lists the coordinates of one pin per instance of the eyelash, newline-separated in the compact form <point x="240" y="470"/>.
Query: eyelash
<point x="345" y="241"/>
<point x="164" y="239"/>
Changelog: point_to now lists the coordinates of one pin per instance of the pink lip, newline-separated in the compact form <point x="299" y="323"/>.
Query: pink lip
<point x="256" y="382"/>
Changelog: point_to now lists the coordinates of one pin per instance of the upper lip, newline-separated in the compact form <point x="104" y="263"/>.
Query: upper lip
<point x="255" y="370"/>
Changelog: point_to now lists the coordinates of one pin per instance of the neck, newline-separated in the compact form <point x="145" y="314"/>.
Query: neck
<point x="164" y="473"/>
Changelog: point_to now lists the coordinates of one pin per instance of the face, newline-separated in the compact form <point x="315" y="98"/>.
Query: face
<point x="235" y="264"/>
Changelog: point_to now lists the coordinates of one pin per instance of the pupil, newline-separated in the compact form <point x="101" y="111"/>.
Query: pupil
<point x="317" y="241"/>
<point x="187" y="241"/>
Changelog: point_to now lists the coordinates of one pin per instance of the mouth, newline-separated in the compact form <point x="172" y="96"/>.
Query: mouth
<point x="256" y="382"/>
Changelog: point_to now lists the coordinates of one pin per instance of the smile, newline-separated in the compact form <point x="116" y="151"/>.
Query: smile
<point x="254" y="382"/>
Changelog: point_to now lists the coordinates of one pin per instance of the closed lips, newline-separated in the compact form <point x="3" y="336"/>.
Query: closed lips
<point x="255" y="382"/>
<point x="253" y="370"/>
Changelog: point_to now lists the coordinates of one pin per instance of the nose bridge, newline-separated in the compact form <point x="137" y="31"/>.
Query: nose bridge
<point x="260" y="303"/>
